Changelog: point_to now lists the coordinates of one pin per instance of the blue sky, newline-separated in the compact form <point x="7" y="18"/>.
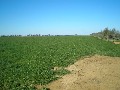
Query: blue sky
<point x="58" y="16"/>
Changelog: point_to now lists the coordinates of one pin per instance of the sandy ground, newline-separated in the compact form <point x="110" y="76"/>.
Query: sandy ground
<point x="93" y="73"/>
<point x="116" y="42"/>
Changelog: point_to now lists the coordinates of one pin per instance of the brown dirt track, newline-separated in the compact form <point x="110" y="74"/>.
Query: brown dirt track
<point x="92" y="73"/>
<point x="116" y="42"/>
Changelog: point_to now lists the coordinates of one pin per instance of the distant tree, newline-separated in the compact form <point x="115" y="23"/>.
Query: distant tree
<point x="112" y="34"/>
<point x="106" y="33"/>
<point x="36" y="35"/>
<point x="19" y="35"/>
<point x="117" y="34"/>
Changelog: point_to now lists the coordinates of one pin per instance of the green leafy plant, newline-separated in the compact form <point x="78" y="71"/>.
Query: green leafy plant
<point x="27" y="61"/>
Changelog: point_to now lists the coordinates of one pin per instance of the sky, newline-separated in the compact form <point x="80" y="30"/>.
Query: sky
<point x="58" y="17"/>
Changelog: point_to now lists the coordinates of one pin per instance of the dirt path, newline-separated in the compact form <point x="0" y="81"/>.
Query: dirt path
<point x="116" y="42"/>
<point x="94" y="73"/>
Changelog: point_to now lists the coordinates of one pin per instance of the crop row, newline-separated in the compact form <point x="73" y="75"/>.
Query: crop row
<point x="27" y="61"/>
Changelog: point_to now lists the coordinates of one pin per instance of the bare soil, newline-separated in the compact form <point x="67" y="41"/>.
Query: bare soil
<point x="116" y="42"/>
<point x="92" y="73"/>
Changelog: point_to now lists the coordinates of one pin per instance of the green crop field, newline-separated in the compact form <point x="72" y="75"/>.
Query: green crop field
<point x="29" y="61"/>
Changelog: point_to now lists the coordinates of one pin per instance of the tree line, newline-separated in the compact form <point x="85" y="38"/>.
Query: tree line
<point x="108" y="34"/>
<point x="34" y="35"/>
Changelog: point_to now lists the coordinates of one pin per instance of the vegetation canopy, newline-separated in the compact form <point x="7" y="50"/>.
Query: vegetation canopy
<point x="108" y="34"/>
<point x="27" y="61"/>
